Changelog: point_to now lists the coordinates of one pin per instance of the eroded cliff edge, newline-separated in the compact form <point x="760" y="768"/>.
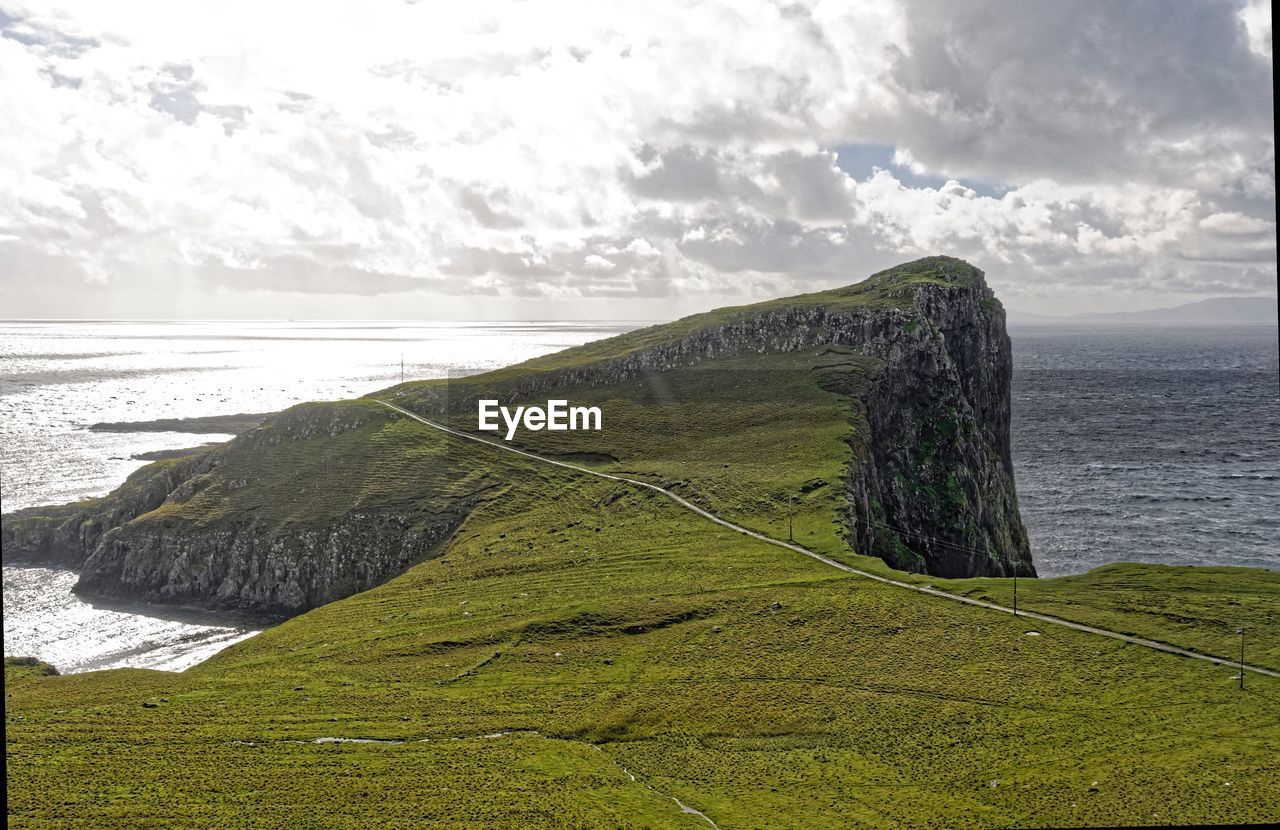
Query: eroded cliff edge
<point x="318" y="503"/>
<point x="930" y="485"/>
<point x="325" y="500"/>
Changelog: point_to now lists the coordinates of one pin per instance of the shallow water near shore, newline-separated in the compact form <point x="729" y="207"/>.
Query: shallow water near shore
<point x="1154" y="445"/>
<point x="44" y="619"/>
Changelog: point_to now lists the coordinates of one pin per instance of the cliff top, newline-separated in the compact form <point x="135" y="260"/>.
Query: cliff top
<point x="891" y="289"/>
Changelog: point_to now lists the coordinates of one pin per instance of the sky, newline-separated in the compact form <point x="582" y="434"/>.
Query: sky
<point x="602" y="160"/>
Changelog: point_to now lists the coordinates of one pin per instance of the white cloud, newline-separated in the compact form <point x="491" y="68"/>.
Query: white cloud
<point x="625" y="151"/>
<point x="1256" y="17"/>
<point x="1236" y="224"/>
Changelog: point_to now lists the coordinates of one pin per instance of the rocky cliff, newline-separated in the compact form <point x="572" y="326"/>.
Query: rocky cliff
<point x="328" y="499"/>
<point x="930" y="487"/>
<point x="65" y="535"/>
<point x="287" y="517"/>
<point x="258" y="569"/>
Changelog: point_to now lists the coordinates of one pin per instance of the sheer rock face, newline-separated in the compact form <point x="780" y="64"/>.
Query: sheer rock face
<point x="127" y="549"/>
<point x="933" y="489"/>
<point x="929" y="486"/>
<point x="250" y="568"/>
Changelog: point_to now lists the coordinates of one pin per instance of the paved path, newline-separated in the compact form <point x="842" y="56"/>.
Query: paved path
<point x="826" y="560"/>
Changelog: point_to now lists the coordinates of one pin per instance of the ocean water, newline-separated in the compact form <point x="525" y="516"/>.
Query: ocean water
<point x="1154" y="445"/>
<point x="1147" y="445"/>
<point x="56" y="378"/>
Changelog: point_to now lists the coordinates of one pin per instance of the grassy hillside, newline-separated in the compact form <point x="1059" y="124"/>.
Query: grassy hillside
<point x="323" y="461"/>
<point x="893" y="288"/>
<point x="579" y="633"/>
<point x="1194" y="607"/>
<point x="584" y="653"/>
<point x="752" y="439"/>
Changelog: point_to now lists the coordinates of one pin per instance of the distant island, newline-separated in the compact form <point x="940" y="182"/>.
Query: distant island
<point x="1216" y="311"/>
<point x="224" y="424"/>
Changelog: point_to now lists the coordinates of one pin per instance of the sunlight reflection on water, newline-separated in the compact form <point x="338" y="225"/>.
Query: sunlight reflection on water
<point x="57" y="377"/>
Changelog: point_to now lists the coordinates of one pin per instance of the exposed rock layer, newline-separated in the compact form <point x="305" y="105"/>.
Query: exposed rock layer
<point x="64" y="535"/>
<point x="253" y="568"/>
<point x="930" y="487"/>
<point x="127" y="548"/>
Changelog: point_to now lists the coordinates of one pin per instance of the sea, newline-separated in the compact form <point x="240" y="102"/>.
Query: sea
<point x="1147" y="445"/>
<point x="1129" y="444"/>
<point x="59" y="377"/>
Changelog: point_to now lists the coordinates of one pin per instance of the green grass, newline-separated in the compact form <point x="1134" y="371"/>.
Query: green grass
<point x="1199" y="608"/>
<point x="323" y="461"/>
<point x="28" y="667"/>
<point x="750" y="439"/>
<point x="586" y="651"/>
<point x="612" y="629"/>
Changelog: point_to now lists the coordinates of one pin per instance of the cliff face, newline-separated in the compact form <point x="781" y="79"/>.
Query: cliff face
<point x="931" y="485"/>
<point x="326" y="500"/>
<point x="933" y="490"/>
<point x="268" y="524"/>
<point x="65" y="535"/>
<point x="253" y="568"/>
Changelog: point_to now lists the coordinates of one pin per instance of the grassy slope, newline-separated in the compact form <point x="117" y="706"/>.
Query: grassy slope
<point x="587" y="612"/>
<point x="281" y="481"/>
<point x="1198" y="608"/>
<point x="741" y="437"/>
<point x="582" y="617"/>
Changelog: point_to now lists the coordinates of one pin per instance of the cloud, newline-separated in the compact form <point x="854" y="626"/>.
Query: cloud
<point x="1236" y="224"/>
<point x="705" y="153"/>
<point x="305" y="276"/>
<point x="1166" y="94"/>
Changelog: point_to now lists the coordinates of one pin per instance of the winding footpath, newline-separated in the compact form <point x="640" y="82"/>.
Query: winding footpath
<point x="826" y="560"/>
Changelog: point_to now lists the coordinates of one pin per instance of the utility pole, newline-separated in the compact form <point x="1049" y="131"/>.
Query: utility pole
<point x="1240" y="631"/>
<point x="791" y="502"/>
<point x="1015" y="590"/>
<point x="402" y="367"/>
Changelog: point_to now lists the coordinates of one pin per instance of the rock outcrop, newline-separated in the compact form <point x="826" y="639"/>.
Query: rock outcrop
<point x="929" y="487"/>
<point x="255" y="569"/>
<point x="63" y="536"/>
<point x="177" y="532"/>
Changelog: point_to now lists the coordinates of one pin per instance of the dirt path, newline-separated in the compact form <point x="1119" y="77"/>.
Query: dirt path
<point x="826" y="560"/>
